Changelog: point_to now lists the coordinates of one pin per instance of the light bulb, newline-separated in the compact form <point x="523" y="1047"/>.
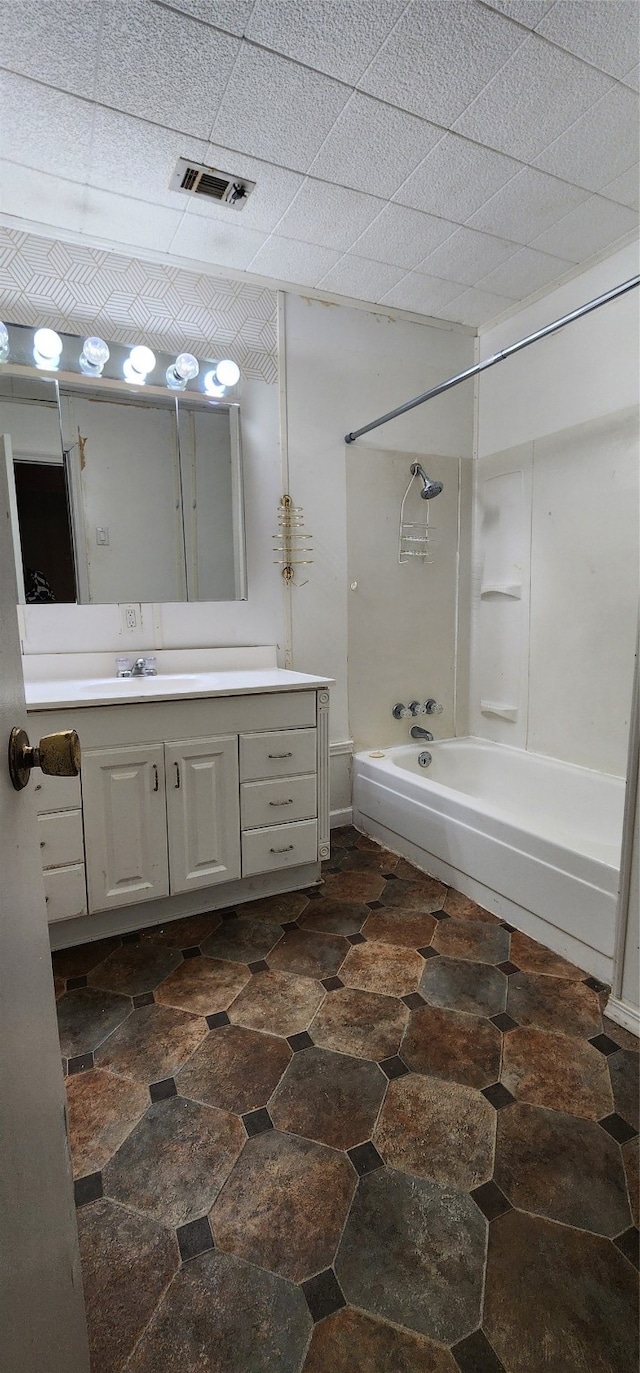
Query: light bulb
<point x="47" y="347"/>
<point x="212" y="385"/>
<point x="140" y="362"/>
<point x="182" y="370"/>
<point x="227" y="372"/>
<point x="4" y="342"/>
<point x="95" y="352"/>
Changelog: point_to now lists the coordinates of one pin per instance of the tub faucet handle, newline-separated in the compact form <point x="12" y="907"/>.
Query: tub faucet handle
<point x="431" y="707"/>
<point x="416" y="709"/>
<point x="401" y="712"/>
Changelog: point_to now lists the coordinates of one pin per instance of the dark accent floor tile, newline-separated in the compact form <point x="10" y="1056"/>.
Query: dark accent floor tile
<point x="352" y="1342"/>
<point x="191" y="953"/>
<point x="284" y="1205"/>
<point x="203" y="985"/>
<point x="152" y="1043"/>
<point x="277" y="910"/>
<point x="455" y="984"/>
<point x="618" y="1128"/>
<point x="393" y="1067"/>
<point x="629" y="1245"/>
<point x="353" y="886"/>
<point x="235" y="1069"/>
<point x="531" y="957"/>
<point x="554" y="1003"/>
<point x="356" y="939"/>
<point x="413" y="1253"/>
<point x="162" y="1091"/>
<point x="277" y="1002"/>
<point x="335" y="917"/>
<point x="361" y="1023"/>
<point x="260" y="966"/>
<point x="79" y="1064"/>
<point x="127" y="1262"/>
<point x="243" y="940"/>
<point x="420" y="893"/>
<point x="81" y="959"/>
<point x="187" y="933"/>
<point x="230" y="914"/>
<point x="197" y="1325"/>
<point x="365" y="1158"/>
<point x="194" y="1238"/>
<point x="471" y="940"/>
<point x="300" y="1041"/>
<point x="385" y="968"/>
<point x="87" y="1188"/>
<point x="563" y="1168"/>
<point x="133" y="937"/>
<point x="256" y="1122"/>
<point x="562" y="1291"/>
<point x="491" y="1200"/>
<point x="498" y="1096"/>
<point x="324" y="1295"/>
<point x="475" y="1355"/>
<point x="219" y="1018"/>
<point x="558" y="1071"/>
<point x="74" y="982"/>
<point x="604" y="1045"/>
<point x="510" y="928"/>
<point x="438" y="1130"/>
<point x="290" y="925"/>
<point x="461" y="907"/>
<point x="375" y="905"/>
<point x="414" y="1001"/>
<point x="331" y="1098"/>
<point x="175" y="1161"/>
<point x="429" y="952"/>
<point x="309" y="955"/>
<point x="102" y="1110"/>
<point x="135" y="968"/>
<point x="452" y="1045"/>
<point x="86" y="1017"/>
<point x="508" y="967"/>
<point x="392" y="875"/>
<point x="410" y="929"/>
<point x="624" y="1070"/>
<point x="144" y="999"/>
<point x="504" y="1022"/>
<point x="595" y="985"/>
<point x="441" y="915"/>
<point x="332" y="984"/>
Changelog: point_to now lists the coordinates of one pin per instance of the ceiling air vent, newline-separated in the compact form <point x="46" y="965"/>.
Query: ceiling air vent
<point x="211" y="182"/>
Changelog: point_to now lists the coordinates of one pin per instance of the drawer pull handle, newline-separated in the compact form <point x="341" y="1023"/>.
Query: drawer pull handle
<point x="280" y="755"/>
<point x="156" y="782"/>
<point x="282" y="803"/>
<point x="177" y="782"/>
<point x="287" y="849"/>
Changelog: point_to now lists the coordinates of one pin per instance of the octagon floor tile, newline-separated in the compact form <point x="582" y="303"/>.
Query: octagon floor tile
<point x="278" y="910"/>
<point x="534" y="958"/>
<point x="86" y="1017"/>
<point x="553" y="1003"/>
<point x="175" y="1161"/>
<point x="410" y="929"/>
<point x="420" y="893"/>
<point x="413" y="1252"/>
<point x="152" y="1043"/>
<point x="361" y="1023"/>
<point x="353" y="886"/>
<point x="384" y="968"/>
<point x="188" y="933"/>
<point x="127" y="1261"/>
<point x="561" y="1167"/>
<point x="243" y="940"/>
<point x="561" y="1291"/>
<point x="463" y="908"/>
<point x="83" y="958"/>
<point x="472" y="940"/>
<point x="625" y="1081"/>
<point x="335" y="917"/>
<point x="284" y="1205"/>
<point x="331" y="1098"/>
<point x="203" y="985"/>
<point x="350" y="1342"/>
<point x="277" y="1002"/>
<point x="457" y="985"/>
<point x="235" y="1069"/>
<point x="371" y="860"/>
<point x="437" y="1130"/>
<point x="103" y="1110"/>
<point x="453" y="1045"/>
<point x="631" y="1159"/>
<point x="556" y="1071"/>
<point x="197" y="1327"/>
<point x="309" y="954"/>
<point x="135" y="968"/>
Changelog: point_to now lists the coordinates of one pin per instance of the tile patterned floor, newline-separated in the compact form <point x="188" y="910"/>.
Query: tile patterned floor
<point x="365" y="1127"/>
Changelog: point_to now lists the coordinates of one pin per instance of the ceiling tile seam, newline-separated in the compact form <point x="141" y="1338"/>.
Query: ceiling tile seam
<point x="554" y="44"/>
<point x="236" y="59"/>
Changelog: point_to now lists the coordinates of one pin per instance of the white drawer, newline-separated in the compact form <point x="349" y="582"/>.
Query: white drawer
<point x="279" y="846"/>
<point x="271" y="803"/>
<point x="60" y="836"/>
<point x="65" y="890"/>
<point x="280" y="753"/>
<point x="56" y="793"/>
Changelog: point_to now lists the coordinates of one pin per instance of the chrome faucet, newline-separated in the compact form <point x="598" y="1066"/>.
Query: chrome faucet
<point x="417" y="732"/>
<point x="144" y="667"/>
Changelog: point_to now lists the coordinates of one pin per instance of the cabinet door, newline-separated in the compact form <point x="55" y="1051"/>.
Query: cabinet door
<point x="203" y="811"/>
<point x="123" y="795"/>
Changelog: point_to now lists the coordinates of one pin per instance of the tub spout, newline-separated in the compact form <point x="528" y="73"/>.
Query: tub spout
<point x="417" y="732"/>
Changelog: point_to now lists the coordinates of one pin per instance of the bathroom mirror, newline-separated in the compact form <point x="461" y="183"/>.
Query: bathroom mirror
<point x="122" y="494"/>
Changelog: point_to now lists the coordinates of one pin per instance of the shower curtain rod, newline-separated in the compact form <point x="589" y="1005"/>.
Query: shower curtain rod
<point x="495" y="357"/>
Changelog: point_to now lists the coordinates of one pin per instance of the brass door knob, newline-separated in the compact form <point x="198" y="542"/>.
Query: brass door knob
<point x="56" y="754"/>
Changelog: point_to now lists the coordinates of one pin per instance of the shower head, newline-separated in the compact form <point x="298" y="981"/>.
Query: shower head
<point x="429" y="488"/>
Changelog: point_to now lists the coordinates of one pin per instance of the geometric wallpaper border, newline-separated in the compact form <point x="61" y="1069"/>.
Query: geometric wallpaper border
<point x="123" y="299"/>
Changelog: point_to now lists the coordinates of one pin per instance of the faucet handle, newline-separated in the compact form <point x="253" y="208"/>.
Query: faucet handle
<point x="431" y="707"/>
<point x="401" y="712"/>
<point x="416" y="709"/>
<point x="123" y="667"/>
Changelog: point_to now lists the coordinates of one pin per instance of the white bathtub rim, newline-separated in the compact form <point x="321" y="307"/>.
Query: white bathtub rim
<point x="489" y="745"/>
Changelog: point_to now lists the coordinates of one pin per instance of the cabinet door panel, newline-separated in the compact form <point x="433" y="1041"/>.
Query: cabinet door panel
<point x="123" y="793"/>
<point x="203" y="812"/>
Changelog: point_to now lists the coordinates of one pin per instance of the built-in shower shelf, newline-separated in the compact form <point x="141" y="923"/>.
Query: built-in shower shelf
<point x="512" y="589"/>
<point x="507" y="712"/>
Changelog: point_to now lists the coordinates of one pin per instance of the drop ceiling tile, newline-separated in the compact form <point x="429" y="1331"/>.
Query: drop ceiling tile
<point x="261" y="113"/>
<point x="600" y="145"/>
<point x="339" y="42"/>
<point x="56" y="42"/>
<point x="467" y="256"/>
<point x="303" y="264"/>
<point x="163" y="66"/>
<point x="526" y="206"/>
<point x="133" y="157"/>
<point x="122" y="220"/>
<point x="592" y="226"/>
<point x="402" y="237"/>
<point x="475" y="307"/>
<point x="625" y="189"/>
<point x="456" y="178"/>
<point x="361" y="278"/>
<point x="225" y="243"/>
<point x="604" y="34"/>
<point x="272" y="194"/>
<point x="43" y="128"/>
<point x="426" y="295"/>
<point x="538" y="93"/>
<point x="329" y="215"/>
<point x="230" y="15"/>
<point x="50" y="200"/>
<point x="632" y="77"/>
<point x="373" y="147"/>
<point x="439" y="56"/>
<point x="525" y="272"/>
<point x="527" y="12"/>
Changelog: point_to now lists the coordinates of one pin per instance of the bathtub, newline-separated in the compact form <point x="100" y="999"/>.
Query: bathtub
<point x="532" y="839"/>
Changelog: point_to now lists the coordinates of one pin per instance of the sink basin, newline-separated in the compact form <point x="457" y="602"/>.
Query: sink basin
<point x="124" y="686"/>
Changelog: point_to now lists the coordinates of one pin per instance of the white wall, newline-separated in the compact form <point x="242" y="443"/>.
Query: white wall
<point x="557" y="446"/>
